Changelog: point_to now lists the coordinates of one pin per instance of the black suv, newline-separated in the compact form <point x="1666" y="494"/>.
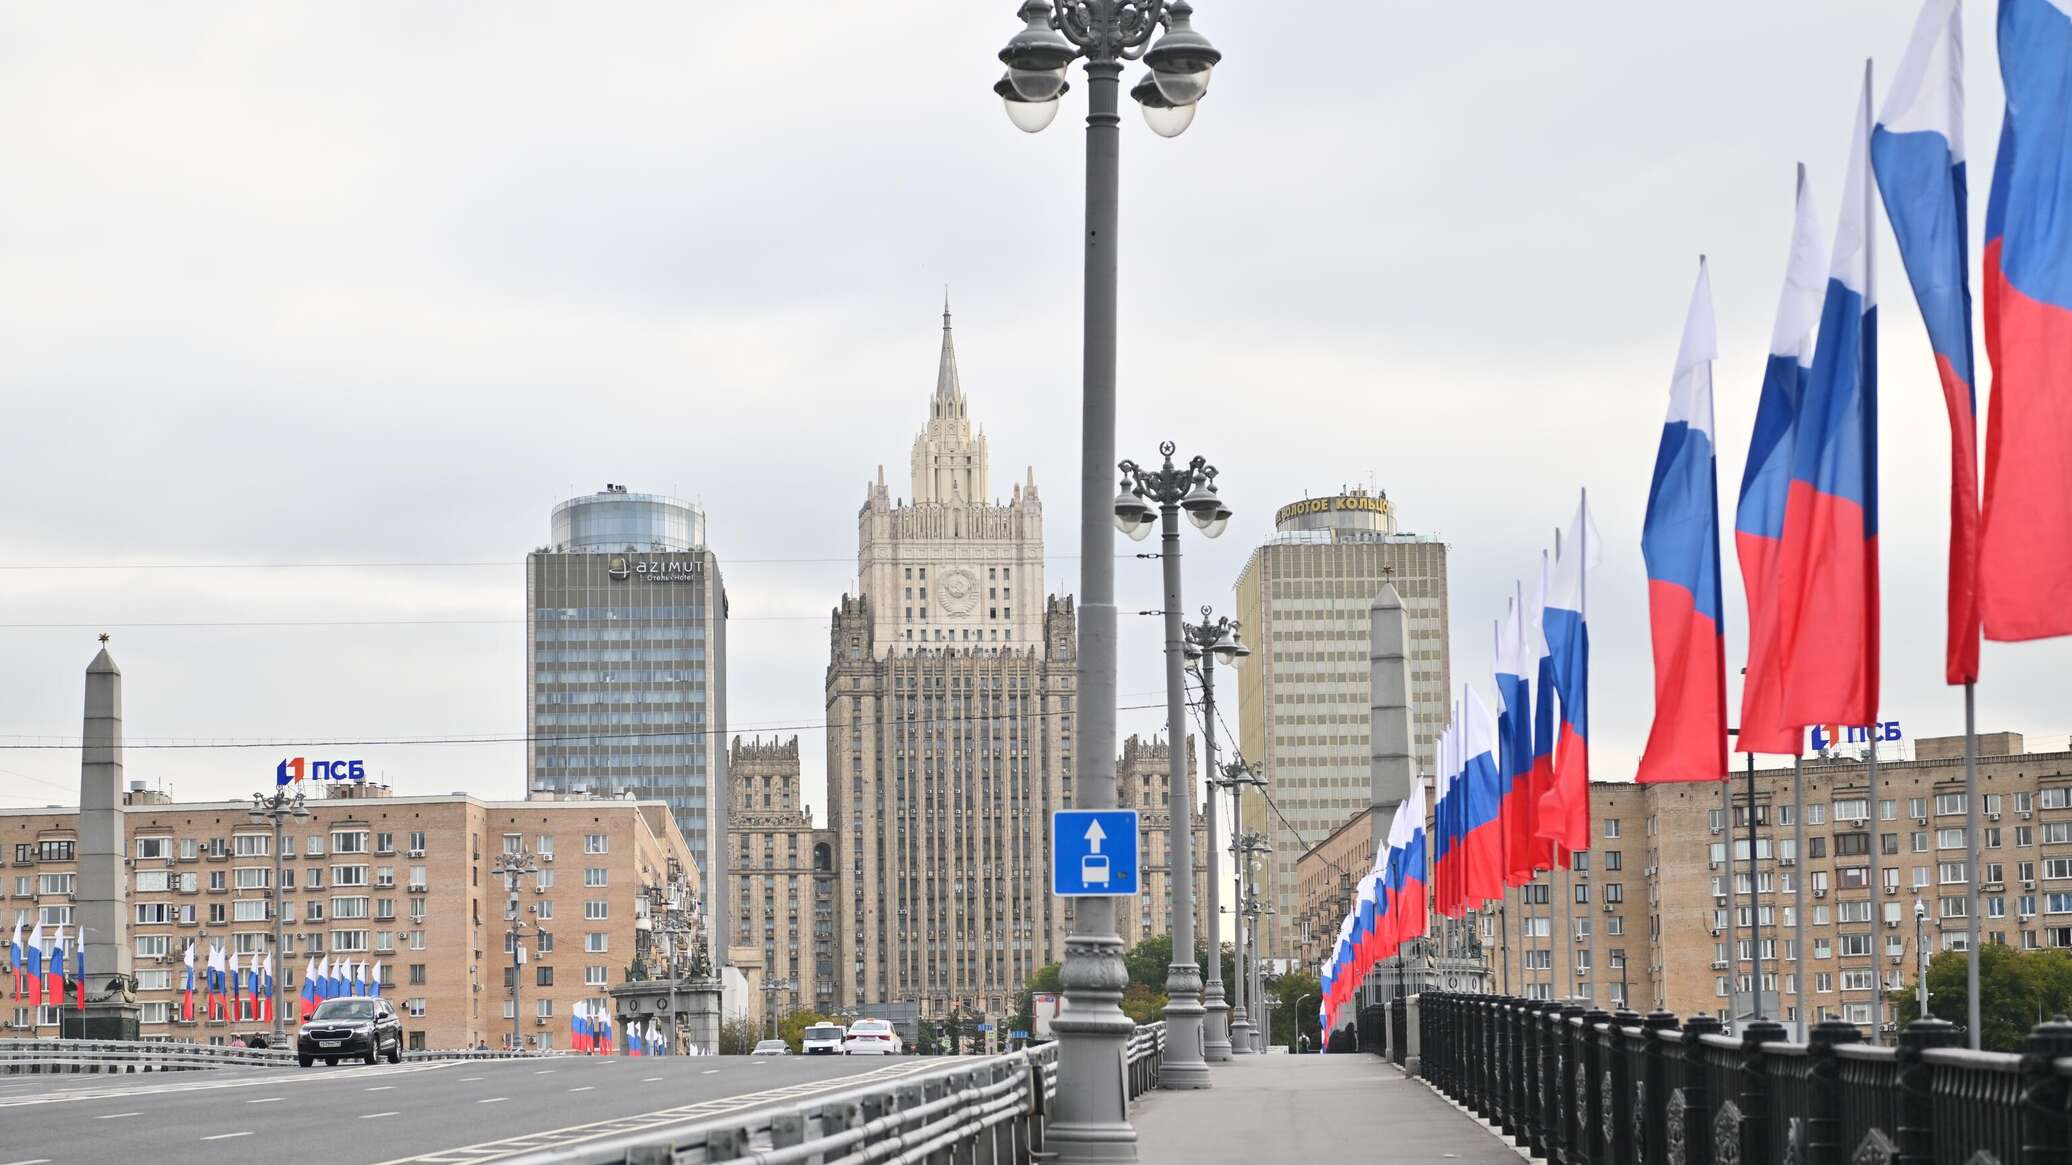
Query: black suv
<point x="367" y="1028"/>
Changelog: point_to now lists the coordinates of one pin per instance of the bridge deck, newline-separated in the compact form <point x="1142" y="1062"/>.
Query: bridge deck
<point x="1310" y="1109"/>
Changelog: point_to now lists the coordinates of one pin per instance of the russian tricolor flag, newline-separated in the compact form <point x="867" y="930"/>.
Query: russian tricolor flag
<point x="1524" y="855"/>
<point x="1680" y="541"/>
<point x="1565" y="807"/>
<point x="14" y="957"/>
<point x="1480" y="795"/>
<point x="1545" y="703"/>
<point x="54" y="991"/>
<point x="34" y="955"/>
<point x="1766" y="482"/>
<point x="1917" y="150"/>
<point x="187" y="987"/>
<point x="1829" y="569"/>
<point x="309" y="982"/>
<point x="1408" y="852"/>
<point x="2025" y="544"/>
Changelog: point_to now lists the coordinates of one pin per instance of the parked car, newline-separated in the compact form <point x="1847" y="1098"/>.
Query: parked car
<point x="872" y="1037"/>
<point x="823" y="1039"/>
<point x="771" y="1048"/>
<point x="365" y="1028"/>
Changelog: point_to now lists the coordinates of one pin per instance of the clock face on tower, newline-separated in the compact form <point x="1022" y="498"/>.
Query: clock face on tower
<point x="957" y="591"/>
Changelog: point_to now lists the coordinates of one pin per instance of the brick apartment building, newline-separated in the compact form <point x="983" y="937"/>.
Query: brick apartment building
<point x="408" y="881"/>
<point x="1645" y="918"/>
<point x="1143" y="781"/>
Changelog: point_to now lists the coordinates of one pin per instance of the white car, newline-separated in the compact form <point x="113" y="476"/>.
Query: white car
<point x="872" y="1037"/>
<point x="823" y="1039"/>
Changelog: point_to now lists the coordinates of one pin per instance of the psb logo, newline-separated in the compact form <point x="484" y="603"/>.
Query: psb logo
<point x="297" y="768"/>
<point x="618" y="569"/>
<point x="1826" y="736"/>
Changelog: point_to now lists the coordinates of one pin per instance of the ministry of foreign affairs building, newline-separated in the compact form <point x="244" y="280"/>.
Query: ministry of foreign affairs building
<point x="950" y="709"/>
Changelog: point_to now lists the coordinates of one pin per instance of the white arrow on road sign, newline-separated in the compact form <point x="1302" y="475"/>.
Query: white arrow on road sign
<point x="1095" y="836"/>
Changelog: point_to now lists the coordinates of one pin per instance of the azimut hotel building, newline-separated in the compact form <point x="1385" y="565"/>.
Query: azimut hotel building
<point x="1303" y="696"/>
<point x="625" y="664"/>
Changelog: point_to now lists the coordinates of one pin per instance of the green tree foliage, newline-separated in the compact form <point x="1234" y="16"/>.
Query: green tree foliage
<point x="792" y="1028"/>
<point x="1044" y="980"/>
<point x="2017" y="990"/>
<point x="1143" y="1004"/>
<point x="737" y="1036"/>
<point x="1291" y="989"/>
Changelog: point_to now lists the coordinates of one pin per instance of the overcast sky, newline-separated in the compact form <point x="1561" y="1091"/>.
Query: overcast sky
<point x="327" y="284"/>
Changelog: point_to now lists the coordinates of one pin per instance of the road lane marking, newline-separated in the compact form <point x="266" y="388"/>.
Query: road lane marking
<point x="706" y="1072"/>
<point x="493" y="1100"/>
<point x="159" y="1090"/>
<point x="113" y="1115"/>
<point x="267" y="1100"/>
<point x="650" y="1079"/>
<point x="31" y="1161"/>
<point x="486" y="1152"/>
<point x="383" y="1088"/>
<point x="469" y="1079"/>
<point x="227" y="1136"/>
<point x="544" y="1072"/>
<point x="585" y="1088"/>
<point x="368" y="1116"/>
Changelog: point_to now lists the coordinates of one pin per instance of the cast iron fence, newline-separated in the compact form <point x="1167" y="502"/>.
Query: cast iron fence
<point x="1578" y="1087"/>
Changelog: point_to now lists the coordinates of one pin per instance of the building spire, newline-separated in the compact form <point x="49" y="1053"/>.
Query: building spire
<point x="949" y="393"/>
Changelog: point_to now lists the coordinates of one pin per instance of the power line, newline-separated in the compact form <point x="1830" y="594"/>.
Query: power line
<point x="13" y="743"/>
<point x="427" y="565"/>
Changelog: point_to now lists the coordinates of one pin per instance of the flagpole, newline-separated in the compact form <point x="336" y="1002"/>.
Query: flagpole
<point x="1971" y="838"/>
<point x="1798" y="884"/>
<point x="1726" y="808"/>
<point x="1503" y="831"/>
<point x="1877" y="893"/>
<point x="1755" y="895"/>
<point x="1583" y="610"/>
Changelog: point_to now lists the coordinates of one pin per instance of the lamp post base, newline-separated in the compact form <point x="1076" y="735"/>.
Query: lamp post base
<point x="1240" y="1034"/>
<point x="1215" y="1041"/>
<point x="1093" y="1121"/>
<point x="1184" y="1068"/>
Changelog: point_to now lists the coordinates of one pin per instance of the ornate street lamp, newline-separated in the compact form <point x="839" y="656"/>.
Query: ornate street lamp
<point x="1206" y="644"/>
<point x="1091" y="1119"/>
<point x="278" y="809"/>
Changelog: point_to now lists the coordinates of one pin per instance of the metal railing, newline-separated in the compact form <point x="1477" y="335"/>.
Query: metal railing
<point x="1592" y="1088"/>
<point x="994" y="1110"/>
<point x="30" y="1057"/>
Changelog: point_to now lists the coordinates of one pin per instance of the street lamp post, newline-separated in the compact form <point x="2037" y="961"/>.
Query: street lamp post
<point x="1092" y="1116"/>
<point x="513" y="865"/>
<point x="278" y="808"/>
<point x="1235" y="776"/>
<point x="1921" y="958"/>
<point x="1255" y="983"/>
<point x="771" y="989"/>
<point x="1206" y="643"/>
<point x="1159" y="495"/>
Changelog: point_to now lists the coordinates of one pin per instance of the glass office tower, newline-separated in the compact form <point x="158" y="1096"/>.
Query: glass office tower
<point x="626" y="666"/>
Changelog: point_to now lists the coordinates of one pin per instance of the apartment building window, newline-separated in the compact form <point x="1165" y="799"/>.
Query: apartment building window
<point x="543" y="909"/>
<point x="149" y="849"/>
<point x="594" y="943"/>
<point x="349" y="841"/>
<point x="543" y="880"/>
<point x="596" y="909"/>
<point x="417" y="909"/>
<point x="154" y="913"/>
<point x="1611" y="827"/>
<point x="1952" y="873"/>
<point x="1855" y="945"/>
<point x="384" y="843"/>
<point x="251" y="845"/>
<point x="54" y="851"/>
<point x="596" y="875"/>
<point x="416" y="974"/>
<point x="248" y="910"/>
<point x="417" y="843"/>
<point x="543" y="976"/>
<point x="252" y="877"/>
<point x="419" y="882"/>
<point x="595" y="975"/>
<point x="596" y="843"/>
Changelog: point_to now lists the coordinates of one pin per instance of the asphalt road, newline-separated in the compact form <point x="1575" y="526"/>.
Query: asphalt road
<point x="441" y="1113"/>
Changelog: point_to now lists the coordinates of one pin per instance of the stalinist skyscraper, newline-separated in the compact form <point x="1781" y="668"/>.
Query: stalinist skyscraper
<point x="950" y="685"/>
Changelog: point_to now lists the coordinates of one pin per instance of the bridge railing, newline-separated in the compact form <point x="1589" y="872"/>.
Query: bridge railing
<point x="993" y="1109"/>
<point x="1591" y="1088"/>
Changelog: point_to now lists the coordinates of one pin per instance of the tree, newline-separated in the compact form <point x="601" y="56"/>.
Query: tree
<point x="737" y="1036"/>
<point x="1143" y="1004"/>
<point x="792" y="1028"/>
<point x="1295" y="987"/>
<point x="1147" y="962"/>
<point x="927" y="1038"/>
<point x="2017" y="990"/>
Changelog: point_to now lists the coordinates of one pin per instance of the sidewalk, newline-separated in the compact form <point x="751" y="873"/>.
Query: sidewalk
<point x="1310" y="1109"/>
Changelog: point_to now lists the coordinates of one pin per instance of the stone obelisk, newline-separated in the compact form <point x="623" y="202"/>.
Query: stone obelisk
<point x="111" y="1011"/>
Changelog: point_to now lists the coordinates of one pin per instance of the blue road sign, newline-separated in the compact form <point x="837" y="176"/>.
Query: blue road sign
<point x="1093" y="853"/>
<point x="1017" y="1034"/>
<point x="985" y="1027"/>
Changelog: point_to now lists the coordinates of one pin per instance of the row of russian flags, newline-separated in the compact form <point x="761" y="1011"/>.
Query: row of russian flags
<point x="226" y="985"/>
<point x="1512" y="790"/>
<point x="324" y="979"/>
<point x="39" y="970"/>
<point x="592" y="1032"/>
<point x="1806" y="521"/>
